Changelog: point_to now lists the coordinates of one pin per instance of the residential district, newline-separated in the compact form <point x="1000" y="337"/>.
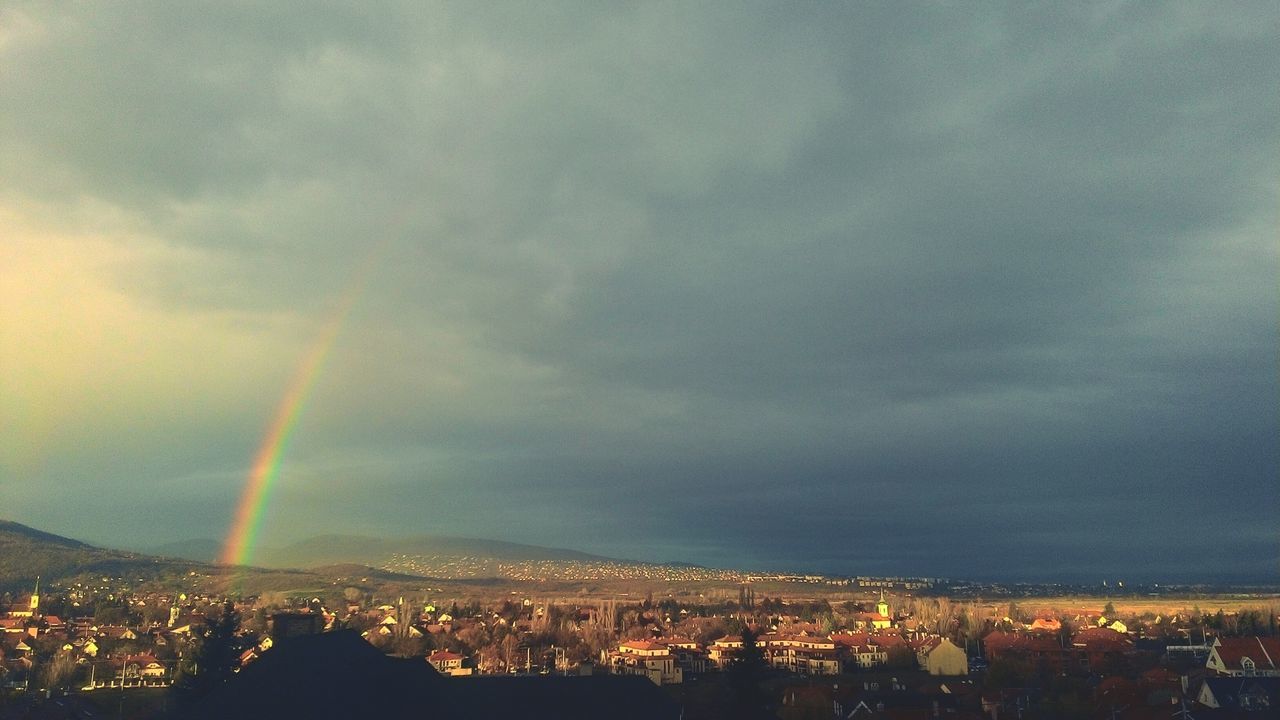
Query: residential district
<point x="888" y="655"/>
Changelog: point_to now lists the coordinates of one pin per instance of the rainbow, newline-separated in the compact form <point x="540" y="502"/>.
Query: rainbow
<point x="243" y="535"/>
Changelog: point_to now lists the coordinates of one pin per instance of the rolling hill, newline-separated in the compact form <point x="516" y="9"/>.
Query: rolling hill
<point x="327" y="550"/>
<point x="334" y="549"/>
<point x="26" y="553"/>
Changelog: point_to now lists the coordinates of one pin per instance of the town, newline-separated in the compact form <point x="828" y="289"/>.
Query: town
<point x="885" y="650"/>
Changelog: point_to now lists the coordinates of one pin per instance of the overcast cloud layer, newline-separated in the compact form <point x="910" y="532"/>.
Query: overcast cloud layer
<point x="923" y="289"/>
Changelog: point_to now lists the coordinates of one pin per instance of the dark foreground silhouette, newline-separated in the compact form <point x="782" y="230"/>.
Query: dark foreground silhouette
<point x="339" y="675"/>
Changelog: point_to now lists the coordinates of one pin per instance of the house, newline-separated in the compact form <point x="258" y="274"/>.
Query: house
<point x="144" y="666"/>
<point x="868" y="650"/>
<point x="1045" y="624"/>
<point x="117" y="632"/>
<point x="448" y="663"/>
<point x="724" y="650"/>
<point x="1252" y="694"/>
<point x="1245" y="657"/>
<point x="939" y="656"/>
<point x="690" y="656"/>
<point x="1002" y="645"/>
<point x="808" y="654"/>
<point x="1095" y="648"/>
<point x="648" y="659"/>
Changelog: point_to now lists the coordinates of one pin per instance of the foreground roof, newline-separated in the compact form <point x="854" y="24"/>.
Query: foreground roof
<point x="340" y="676"/>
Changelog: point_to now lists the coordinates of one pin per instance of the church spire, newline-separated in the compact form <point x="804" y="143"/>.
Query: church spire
<point x="35" y="597"/>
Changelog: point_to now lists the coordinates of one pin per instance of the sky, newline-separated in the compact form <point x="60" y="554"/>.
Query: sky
<point x="943" y="289"/>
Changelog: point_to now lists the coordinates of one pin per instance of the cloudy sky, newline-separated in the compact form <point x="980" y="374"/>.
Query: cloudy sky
<point x="941" y="289"/>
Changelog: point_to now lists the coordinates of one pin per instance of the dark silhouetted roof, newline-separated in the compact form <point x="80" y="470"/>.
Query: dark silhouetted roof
<point x="330" y="675"/>
<point x="617" y="697"/>
<point x="338" y="675"/>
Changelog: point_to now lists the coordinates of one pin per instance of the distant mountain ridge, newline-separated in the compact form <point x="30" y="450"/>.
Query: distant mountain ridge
<point x="344" y="549"/>
<point x="334" y="549"/>
<point x="423" y="554"/>
<point x="26" y="553"/>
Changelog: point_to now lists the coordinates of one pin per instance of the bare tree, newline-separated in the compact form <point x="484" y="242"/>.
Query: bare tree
<point x="58" y="671"/>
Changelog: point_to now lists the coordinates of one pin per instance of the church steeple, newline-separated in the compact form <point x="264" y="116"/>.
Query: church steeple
<point x="35" y="597"/>
<point x="882" y="607"/>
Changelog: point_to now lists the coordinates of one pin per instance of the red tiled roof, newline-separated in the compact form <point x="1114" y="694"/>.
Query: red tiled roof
<point x="676" y="642"/>
<point x="850" y="639"/>
<point x="927" y="643"/>
<point x="1263" y="651"/>
<point x="642" y="645"/>
<point x="1101" y="640"/>
<point x="1016" y="642"/>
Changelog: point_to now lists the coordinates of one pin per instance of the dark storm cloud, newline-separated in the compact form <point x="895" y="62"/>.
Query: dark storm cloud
<point x="878" y="289"/>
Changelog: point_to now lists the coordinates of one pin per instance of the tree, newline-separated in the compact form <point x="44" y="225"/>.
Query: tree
<point x="214" y="657"/>
<point x="900" y="657"/>
<point x="58" y="671"/>
<point x="110" y="614"/>
<point x="1014" y="613"/>
<point x="745" y="676"/>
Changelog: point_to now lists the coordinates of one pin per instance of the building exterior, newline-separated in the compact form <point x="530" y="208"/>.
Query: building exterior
<point x="1245" y="657"/>
<point x="867" y="650"/>
<point x="1089" y="650"/>
<point x="690" y="656"/>
<point x="652" y="660"/>
<point x="939" y="656"/>
<point x="723" y="651"/>
<point x="806" y="654"/>
<point x="448" y="663"/>
<point x="1249" y="694"/>
<point x="294" y="624"/>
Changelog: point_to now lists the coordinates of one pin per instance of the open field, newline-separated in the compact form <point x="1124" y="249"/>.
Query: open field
<point x="1128" y="606"/>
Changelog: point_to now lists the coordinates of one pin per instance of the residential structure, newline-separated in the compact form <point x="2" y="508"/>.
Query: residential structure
<point x="807" y="654"/>
<point x="1245" y="657"/>
<point x="939" y="656"/>
<point x="649" y="659"/>
<point x="448" y="663"/>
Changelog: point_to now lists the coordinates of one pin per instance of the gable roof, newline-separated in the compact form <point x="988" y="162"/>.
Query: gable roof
<point x="1263" y="651"/>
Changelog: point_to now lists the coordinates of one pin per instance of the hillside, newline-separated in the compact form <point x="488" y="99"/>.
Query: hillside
<point x="445" y="557"/>
<point x="26" y="553"/>
<point x="378" y="552"/>
<point x="441" y="557"/>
